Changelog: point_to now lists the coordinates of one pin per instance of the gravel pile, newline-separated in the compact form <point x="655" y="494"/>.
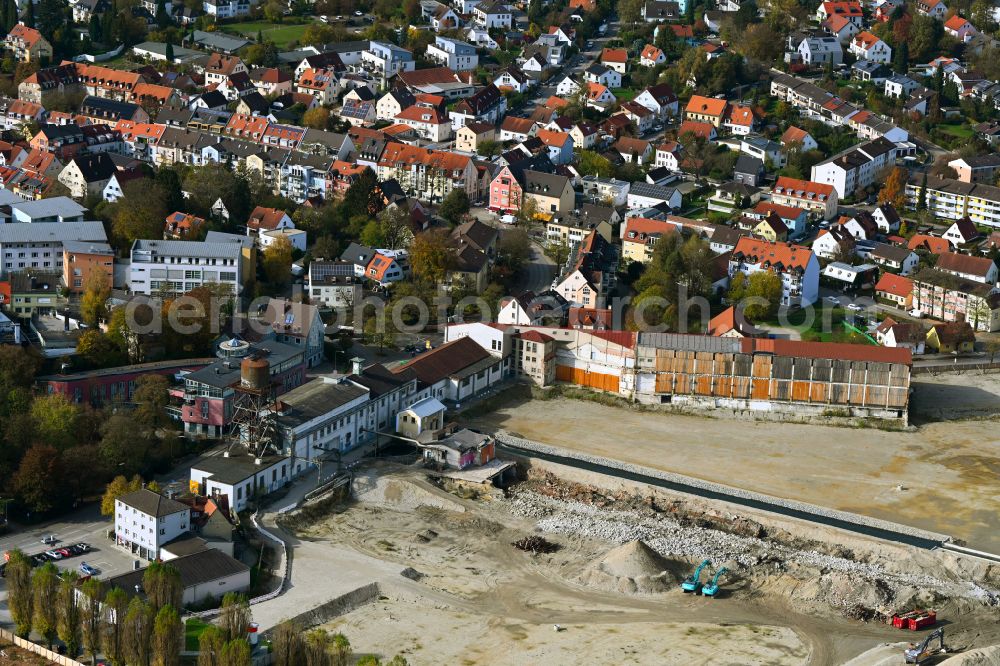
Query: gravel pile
<point x="632" y="560"/>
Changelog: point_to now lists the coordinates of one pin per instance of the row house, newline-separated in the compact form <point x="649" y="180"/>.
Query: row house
<point x="856" y="168"/>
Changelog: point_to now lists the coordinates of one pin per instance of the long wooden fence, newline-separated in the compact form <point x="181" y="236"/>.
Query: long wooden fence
<point x="54" y="657"/>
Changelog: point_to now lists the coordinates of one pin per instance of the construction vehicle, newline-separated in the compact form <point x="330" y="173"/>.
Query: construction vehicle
<point x="711" y="588"/>
<point x="916" y="654"/>
<point x="693" y="582"/>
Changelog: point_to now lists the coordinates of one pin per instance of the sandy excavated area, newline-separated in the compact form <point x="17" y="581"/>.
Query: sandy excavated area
<point x="939" y="476"/>
<point x="469" y="597"/>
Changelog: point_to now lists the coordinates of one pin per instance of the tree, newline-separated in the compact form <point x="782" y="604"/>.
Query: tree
<point x="234" y="616"/>
<point x="454" y="206"/>
<point x="278" y="261"/>
<point x="39" y="482"/>
<point x="236" y="653"/>
<point x="394" y="227"/>
<point x="55" y="419"/>
<point x="210" y="645"/>
<point x="894" y="189"/>
<point x="593" y="163"/>
<point x="70" y="618"/>
<point x="167" y="633"/>
<point x="361" y="196"/>
<point x="317" y="118"/>
<point x="169" y="54"/>
<point x="431" y="256"/>
<point x="901" y="58"/>
<point x="113" y="634"/>
<point x="122" y="445"/>
<point x="527" y="211"/>
<point x="20" y="596"/>
<point x="98" y="350"/>
<point x="96" y="292"/>
<point x="44" y="585"/>
<point x="163" y="587"/>
<point x="141" y="212"/>
<point x="90" y="617"/>
<point x="138" y="632"/>
<point x="119" y="486"/>
<point x="286" y="645"/>
<point x="765" y="288"/>
<point x="151" y="399"/>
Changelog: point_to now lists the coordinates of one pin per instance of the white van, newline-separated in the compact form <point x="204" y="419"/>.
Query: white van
<point x="508" y="219"/>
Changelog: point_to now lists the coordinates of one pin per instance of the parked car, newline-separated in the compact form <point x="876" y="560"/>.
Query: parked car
<point x="49" y="539"/>
<point x="38" y="560"/>
<point x="87" y="570"/>
<point x="916" y="314"/>
<point x="854" y="306"/>
<point x="65" y="552"/>
<point x="832" y="299"/>
<point x="359" y="13"/>
<point x="53" y="555"/>
<point x="82" y="547"/>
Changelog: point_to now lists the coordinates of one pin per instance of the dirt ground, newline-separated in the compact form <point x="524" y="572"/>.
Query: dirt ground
<point x="11" y="654"/>
<point x="941" y="475"/>
<point x="470" y="597"/>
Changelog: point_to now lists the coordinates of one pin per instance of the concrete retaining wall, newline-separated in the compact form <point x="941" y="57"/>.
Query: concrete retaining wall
<point x="338" y="606"/>
<point x="819" y="513"/>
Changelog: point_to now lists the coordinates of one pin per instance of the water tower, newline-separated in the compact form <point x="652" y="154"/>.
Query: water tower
<point x="254" y="407"/>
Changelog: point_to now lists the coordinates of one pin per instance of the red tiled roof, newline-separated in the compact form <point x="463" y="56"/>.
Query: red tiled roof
<point x="933" y="244"/>
<point x="614" y="55"/>
<point x="709" y="106"/>
<point x="783" y="255"/>
<point x="802" y="189"/>
<point x="794" y="135"/>
<point x="831" y="350"/>
<point x="897" y="285"/>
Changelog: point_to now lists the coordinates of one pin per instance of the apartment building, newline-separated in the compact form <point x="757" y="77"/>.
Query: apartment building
<point x="87" y="262"/>
<point x="145" y="521"/>
<point x="944" y="296"/>
<point x="40" y="246"/>
<point x="178" y="267"/>
<point x="454" y="54"/>
<point x="951" y="199"/>
<point x="819" y="199"/>
<point x="797" y="266"/>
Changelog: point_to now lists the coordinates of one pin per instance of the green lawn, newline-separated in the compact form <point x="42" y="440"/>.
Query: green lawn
<point x="624" y="94"/>
<point x="192" y="632"/>
<point x="281" y="35"/>
<point x="959" y="131"/>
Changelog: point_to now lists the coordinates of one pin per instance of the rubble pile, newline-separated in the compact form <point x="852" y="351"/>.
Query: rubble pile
<point x="535" y="544"/>
<point x="862" y="590"/>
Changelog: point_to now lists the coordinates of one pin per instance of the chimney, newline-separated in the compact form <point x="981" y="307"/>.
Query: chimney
<point x="356" y="365"/>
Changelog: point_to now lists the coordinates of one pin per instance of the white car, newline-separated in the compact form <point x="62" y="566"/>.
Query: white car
<point x="832" y="299"/>
<point x="53" y="555"/>
<point x="359" y="13"/>
<point x="854" y="306"/>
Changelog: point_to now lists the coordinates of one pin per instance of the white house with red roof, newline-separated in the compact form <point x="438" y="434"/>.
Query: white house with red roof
<point x="867" y="46"/>
<point x="841" y="27"/>
<point x="668" y="156"/>
<point x="797" y="267"/>
<point x="27" y="44"/>
<point x="960" y="29"/>
<point x="652" y="56"/>
<point x="598" y="96"/>
<point x="268" y="219"/>
<point x="428" y="121"/>
<point x="384" y="269"/>
<point x="933" y="8"/>
<point x="742" y="120"/>
<point x="660" y="99"/>
<point x="558" y="144"/>
<point x="795" y="135"/>
<point x="616" y="59"/>
<point x="849" y="9"/>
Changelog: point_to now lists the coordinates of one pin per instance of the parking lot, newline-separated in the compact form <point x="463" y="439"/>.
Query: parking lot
<point x="86" y="526"/>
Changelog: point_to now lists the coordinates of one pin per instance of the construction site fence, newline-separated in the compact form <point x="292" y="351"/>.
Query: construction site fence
<point x="34" y="648"/>
<point x="954" y="368"/>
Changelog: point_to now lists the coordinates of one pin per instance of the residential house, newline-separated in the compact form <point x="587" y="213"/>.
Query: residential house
<point x="660" y="99"/>
<point x="268" y="219"/>
<point x="794" y="218"/>
<point x="820" y="51"/>
<point x="961" y="233"/>
<point x="608" y="190"/>
<point x="514" y="80"/>
<point x="900" y="87"/>
<point x="28" y="45"/>
<point x="949" y="298"/>
<point x="748" y="170"/>
<point x="644" y="195"/>
<point x="552" y="193"/>
<point x="668" y="156"/>
<point x="559" y="145"/>
<point x="145" y="521"/>
<point x="707" y="110"/>
<point x="833" y="243"/>
<point x="960" y="29"/>
<point x="603" y="74"/>
<point x="891" y="333"/>
<point x="492" y="14"/>
<point x="472" y="135"/>
<point x="857" y="168"/>
<point x="453" y="54"/>
<point x="183" y="226"/>
<point x="700" y="130"/>
<point x="429" y="122"/>
<point x="976" y="269"/>
<point x="933" y="8"/>
<point x="640" y="235"/>
<point x="572" y="227"/>
<point x="85" y="264"/>
<point x="894" y="258"/>
<point x="652" y="56"/>
<point x="87" y="174"/>
<point x="632" y="150"/>
<point x="663" y="11"/>
<point x="956" y="337"/>
<point x="487" y="105"/>
<point x="887" y="218"/>
<point x="895" y="290"/>
<point x="599" y="97"/>
<point x="979" y="169"/>
<point x="861" y="225"/>
<point x="866" y="46"/>
<point x="616" y="59"/>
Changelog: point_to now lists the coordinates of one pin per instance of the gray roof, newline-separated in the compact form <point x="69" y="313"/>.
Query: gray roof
<point x="152" y="504"/>
<point x="234" y="469"/>
<point x="223" y="237"/>
<point x="538" y="182"/>
<point x="686" y="342"/>
<point x="223" y="373"/>
<point x="56" y="206"/>
<point x="52" y="233"/>
<point x="357" y="254"/>
<point x="160" y="48"/>
<point x="202" y="249"/>
<point x="316" y="398"/>
<point x="219" y="41"/>
<point x="196" y="569"/>
<point x="82" y="247"/>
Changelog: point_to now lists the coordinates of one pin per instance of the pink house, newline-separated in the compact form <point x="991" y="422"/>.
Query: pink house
<point x="505" y="192"/>
<point x="113" y="385"/>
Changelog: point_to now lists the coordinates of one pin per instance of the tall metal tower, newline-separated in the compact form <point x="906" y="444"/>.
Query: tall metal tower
<point x="254" y="408"/>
